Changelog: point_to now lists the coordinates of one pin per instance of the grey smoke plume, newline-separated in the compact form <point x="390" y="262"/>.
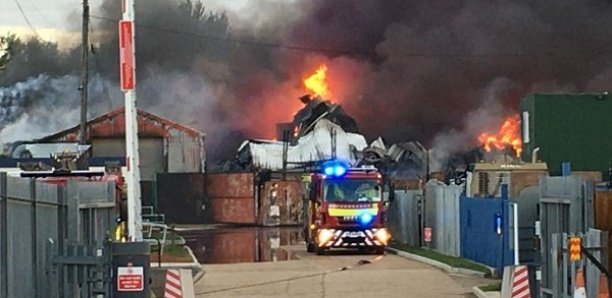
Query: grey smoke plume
<point x="41" y="106"/>
<point x="405" y="69"/>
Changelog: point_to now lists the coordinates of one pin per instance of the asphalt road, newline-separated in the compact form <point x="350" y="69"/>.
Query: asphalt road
<point x="334" y="275"/>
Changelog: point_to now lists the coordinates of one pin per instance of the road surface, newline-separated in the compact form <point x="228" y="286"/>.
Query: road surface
<point x="334" y="275"/>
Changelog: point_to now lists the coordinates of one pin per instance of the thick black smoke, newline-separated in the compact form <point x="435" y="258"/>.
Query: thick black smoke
<point x="434" y="71"/>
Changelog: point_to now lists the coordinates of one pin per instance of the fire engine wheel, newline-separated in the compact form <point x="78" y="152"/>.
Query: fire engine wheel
<point x="379" y="250"/>
<point x="310" y="246"/>
<point x="319" y="250"/>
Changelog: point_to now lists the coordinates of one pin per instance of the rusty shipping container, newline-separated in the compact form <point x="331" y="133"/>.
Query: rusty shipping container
<point x="281" y="203"/>
<point x="232" y="198"/>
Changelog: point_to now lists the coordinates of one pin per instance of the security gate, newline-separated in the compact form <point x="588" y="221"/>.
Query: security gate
<point x="562" y="276"/>
<point x="566" y="208"/>
<point x="80" y="270"/>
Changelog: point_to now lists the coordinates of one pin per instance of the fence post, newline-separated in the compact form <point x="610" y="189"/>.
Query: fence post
<point x="72" y="214"/>
<point x="593" y="240"/>
<point x="505" y="225"/>
<point x="62" y="220"/>
<point x="3" y="236"/>
<point x="34" y="235"/>
<point x="51" y="271"/>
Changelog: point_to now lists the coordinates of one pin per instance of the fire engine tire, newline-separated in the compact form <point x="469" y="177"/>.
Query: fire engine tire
<point x="379" y="250"/>
<point x="310" y="246"/>
<point x="319" y="251"/>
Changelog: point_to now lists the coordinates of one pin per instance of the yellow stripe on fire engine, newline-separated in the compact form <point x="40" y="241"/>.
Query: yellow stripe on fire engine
<point x="351" y="212"/>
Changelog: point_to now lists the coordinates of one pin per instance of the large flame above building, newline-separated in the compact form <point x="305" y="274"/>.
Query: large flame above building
<point x="509" y="135"/>
<point x="317" y="84"/>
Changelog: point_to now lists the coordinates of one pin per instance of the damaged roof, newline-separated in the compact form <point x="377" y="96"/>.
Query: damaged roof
<point x="316" y="145"/>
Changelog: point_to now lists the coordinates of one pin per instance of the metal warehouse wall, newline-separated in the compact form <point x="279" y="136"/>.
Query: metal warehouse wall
<point x="574" y="128"/>
<point x="165" y="145"/>
<point x="186" y="153"/>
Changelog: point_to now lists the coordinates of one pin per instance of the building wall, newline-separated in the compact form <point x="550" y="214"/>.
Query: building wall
<point x="574" y="128"/>
<point x="151" y="154"/>
<point x="165" y="146"/>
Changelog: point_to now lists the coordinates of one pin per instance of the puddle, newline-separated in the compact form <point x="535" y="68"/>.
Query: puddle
<point x="243" y="245"/>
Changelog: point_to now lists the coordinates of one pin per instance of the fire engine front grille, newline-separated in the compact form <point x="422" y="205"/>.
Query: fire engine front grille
<point x="347" y="220"/>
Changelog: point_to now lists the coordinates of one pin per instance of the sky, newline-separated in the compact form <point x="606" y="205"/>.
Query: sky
<point x="56" y="19"/>
<point x="450" y="69"/>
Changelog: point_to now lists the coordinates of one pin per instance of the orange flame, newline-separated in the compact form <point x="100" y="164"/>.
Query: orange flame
<point x="316" y="82"/>
<point x="509" y="135"/>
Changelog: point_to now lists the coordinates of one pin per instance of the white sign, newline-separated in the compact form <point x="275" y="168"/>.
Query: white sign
<point x="130" y="279"/>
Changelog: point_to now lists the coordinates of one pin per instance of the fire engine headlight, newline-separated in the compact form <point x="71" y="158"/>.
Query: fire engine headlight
<point x="366" y="218"/>
<point x="383" y="235"/>
<point x="325" y="235"/>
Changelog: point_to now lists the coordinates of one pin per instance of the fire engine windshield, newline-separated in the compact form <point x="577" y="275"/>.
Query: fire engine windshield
<point x="352" y="190"/>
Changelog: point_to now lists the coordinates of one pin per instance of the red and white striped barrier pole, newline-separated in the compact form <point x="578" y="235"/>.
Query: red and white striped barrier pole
<point x="520" y="283"/>
<point x="173" y="284"/>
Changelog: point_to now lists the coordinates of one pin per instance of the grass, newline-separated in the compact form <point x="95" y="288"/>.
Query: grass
<point x="449" y="260"/>
<point x="172" y="253"/>
<point x="494" y="287"/>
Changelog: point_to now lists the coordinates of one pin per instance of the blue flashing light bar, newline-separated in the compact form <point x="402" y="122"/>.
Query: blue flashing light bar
<point x="334" y="168"/>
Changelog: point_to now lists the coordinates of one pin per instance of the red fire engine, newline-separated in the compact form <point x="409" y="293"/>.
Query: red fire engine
<point x="346" y="210"/>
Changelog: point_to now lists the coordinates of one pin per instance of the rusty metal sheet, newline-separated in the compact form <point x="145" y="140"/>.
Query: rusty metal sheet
<point x="408" y="184"/>
<point x="230" y="185"/>
<point x="522" y="180"/>
<point x="288" y="197"/>
<point x="112" y="124"/>
<point x="180" y="197"/>
<point x="233" y="210"/>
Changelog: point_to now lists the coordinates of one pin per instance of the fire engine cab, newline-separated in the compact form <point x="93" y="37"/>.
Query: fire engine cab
<point x="346" y="210"/>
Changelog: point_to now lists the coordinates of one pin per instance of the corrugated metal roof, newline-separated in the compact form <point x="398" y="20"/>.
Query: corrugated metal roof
<point x="112" y="124"/>
<point x="314" y="146"/>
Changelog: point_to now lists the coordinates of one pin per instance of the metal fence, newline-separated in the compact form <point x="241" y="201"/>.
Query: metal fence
<point x="442" y="216"/>
<point x="39" y="221"/>
<point x="562" y="278"/>
<point x="566" y="207"/>
<point x="404" y="217"/>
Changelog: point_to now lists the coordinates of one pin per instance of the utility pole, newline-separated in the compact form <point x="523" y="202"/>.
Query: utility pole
<point x="84" y="72"/>
<point x="127" y="53"/>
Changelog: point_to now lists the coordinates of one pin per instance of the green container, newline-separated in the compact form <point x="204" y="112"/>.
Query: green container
<point x="575" y="128"/>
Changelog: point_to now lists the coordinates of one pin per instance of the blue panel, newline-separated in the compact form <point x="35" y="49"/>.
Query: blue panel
<point x="480" y="239"/>
<point x="566" y="169"/>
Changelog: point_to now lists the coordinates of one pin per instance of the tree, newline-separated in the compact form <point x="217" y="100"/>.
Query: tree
<point x="6" y="43"/>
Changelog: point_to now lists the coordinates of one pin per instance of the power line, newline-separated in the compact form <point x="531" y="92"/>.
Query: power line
<point x="39" y="12"/>
<point x="597" y="50"/>
<point x="26" y="19"/>
<point x="241" y="41"/>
